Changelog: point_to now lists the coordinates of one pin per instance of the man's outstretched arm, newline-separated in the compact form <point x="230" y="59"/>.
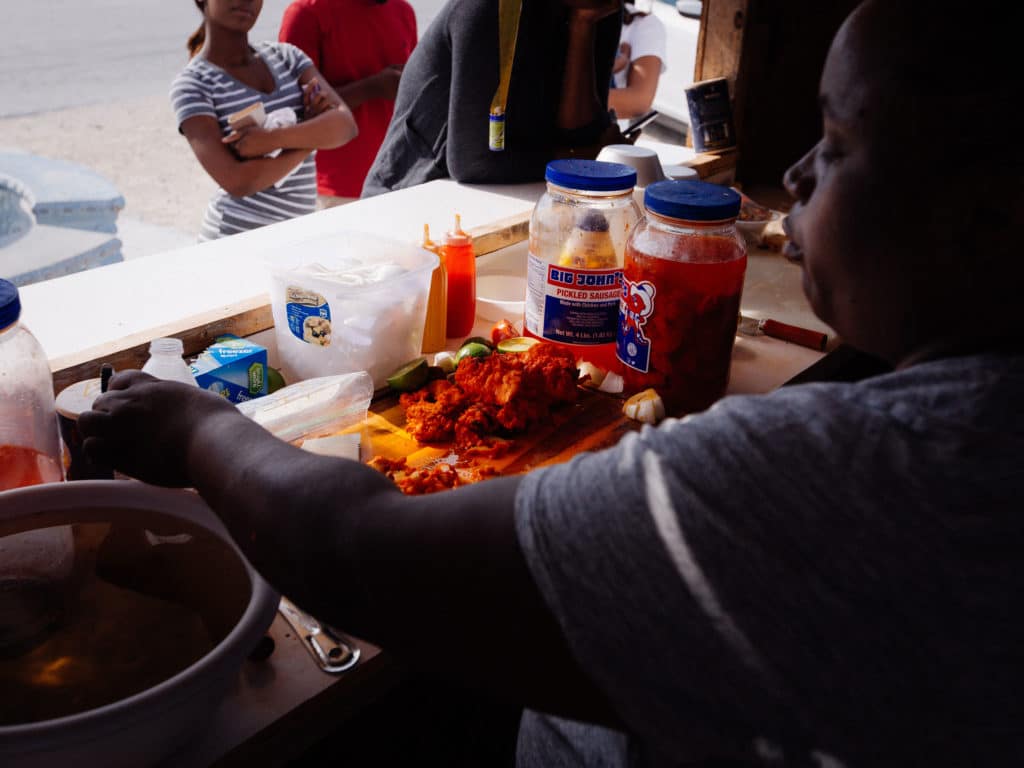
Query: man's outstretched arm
<point x="438" y="580"/>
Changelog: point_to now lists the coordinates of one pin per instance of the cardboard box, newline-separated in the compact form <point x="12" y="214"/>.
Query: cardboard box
<point x="234" y="368"/>
<point x="254" y="115"/>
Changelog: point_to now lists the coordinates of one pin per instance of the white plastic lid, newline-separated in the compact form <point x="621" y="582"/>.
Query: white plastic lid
<point x="166" y="346"/>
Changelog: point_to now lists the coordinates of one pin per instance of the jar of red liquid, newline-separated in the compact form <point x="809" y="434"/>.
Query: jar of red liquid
<point x="681" y="288"/>
<point x="578" y="234"/>
<point x="460" y="265"/>
<point x="29" y="438"/>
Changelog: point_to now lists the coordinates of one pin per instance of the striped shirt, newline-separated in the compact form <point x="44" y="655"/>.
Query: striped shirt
<point x="203" y="88"/>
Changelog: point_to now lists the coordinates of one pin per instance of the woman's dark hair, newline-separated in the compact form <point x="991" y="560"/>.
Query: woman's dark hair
<point x="197" y="38"/>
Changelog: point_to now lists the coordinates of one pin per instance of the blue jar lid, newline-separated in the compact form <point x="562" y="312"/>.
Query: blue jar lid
<point x="10" y="304"/>
<point x="692" y="200"/>
<point x="591" y="175"/>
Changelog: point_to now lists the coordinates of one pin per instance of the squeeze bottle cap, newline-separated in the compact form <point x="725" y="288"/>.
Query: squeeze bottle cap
<point x="457" y="237"/>
<point x="10" y="304"/>
<point x="166" y="346"/>
<point x="427" y="243"/>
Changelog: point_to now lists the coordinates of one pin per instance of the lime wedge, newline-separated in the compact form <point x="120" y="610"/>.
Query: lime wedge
<point x="410" y="376"/>
<point x="275" y="380"/>
<point x="478" y="340"/>
<point x="472" y="349"/>
<point x="516" y="344"/>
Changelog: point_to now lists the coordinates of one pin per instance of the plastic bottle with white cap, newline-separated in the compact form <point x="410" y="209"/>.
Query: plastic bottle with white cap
<point x="166" y="362"/>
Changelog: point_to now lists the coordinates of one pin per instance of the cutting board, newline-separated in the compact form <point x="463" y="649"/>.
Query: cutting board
<point x="594" y="422"/>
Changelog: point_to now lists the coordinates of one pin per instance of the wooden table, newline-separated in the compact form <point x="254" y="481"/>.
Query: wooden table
<point x="279" y="707"/>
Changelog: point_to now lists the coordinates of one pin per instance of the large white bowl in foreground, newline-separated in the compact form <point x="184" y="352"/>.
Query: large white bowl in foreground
<point x="142" y="729"/>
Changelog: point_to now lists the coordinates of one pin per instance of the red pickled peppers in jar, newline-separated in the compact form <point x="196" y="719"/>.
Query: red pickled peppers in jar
<point x="460" y="261"/>
<point x="682" y="282"/>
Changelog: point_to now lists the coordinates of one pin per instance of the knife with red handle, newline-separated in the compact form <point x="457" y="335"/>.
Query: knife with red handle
<point x="794" y="334"/>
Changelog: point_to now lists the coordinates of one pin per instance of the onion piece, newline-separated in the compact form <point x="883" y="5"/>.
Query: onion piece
<point x="646" y="407"/>
<point x="613" y="383"/>
<point x="596" y="374"/>
<point x="445" y="361"/>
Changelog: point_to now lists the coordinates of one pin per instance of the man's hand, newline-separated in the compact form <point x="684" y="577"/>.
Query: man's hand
<point x="387" y="79"/>
<point x="146" y="427"/>
<point x="316" y="100"/>
<point x="251" y="141"/>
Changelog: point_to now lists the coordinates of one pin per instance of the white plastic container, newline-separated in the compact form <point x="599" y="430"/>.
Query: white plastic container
<point x="166" y="362"/>
<point x="348" y="302"/>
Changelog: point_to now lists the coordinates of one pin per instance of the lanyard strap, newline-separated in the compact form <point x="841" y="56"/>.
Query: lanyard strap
<point x="509" y="12"/>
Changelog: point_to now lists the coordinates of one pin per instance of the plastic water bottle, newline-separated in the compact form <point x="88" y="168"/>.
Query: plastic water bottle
<point x="34" y="564"/>
<point x="29" y="438"/>
<point x="166" y="362"/>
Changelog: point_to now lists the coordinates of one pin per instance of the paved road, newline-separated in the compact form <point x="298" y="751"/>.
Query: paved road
<point x="57" y="54"/>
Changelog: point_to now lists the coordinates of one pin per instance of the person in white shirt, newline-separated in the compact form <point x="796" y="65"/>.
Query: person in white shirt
<point x="640" y="62"/>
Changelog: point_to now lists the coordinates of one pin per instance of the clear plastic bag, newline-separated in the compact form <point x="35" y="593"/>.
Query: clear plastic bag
<point x="313" y="408"/>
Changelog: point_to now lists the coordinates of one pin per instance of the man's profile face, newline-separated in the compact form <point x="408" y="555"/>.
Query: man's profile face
<point x="848" y="228"/>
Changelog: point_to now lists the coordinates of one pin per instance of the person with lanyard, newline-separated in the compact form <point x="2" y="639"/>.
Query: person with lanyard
<point x="360" y="46"/>
<point x="545" y="86"/>
<point x="265" y="172"/>
<point x="827" y="575"/>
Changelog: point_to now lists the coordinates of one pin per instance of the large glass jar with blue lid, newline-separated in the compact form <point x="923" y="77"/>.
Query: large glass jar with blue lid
<point x="578" y="234"/>
<point x="682" y="283"/>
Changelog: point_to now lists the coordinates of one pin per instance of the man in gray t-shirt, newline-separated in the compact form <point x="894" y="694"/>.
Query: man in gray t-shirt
<point x="779" y="540"/>
<point x="827" y="575"/>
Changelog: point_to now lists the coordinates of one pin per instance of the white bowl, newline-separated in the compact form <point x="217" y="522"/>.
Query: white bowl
<point x="501" y="296"/>
<point x="144" y="728"/>
<point x="643" y="160"/>
<point x="753" y="231"/>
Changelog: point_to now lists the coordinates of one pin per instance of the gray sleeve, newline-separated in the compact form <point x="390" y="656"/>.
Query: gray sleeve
<point x="718" y="576"/>
<point x="640" y="615"/>
<point x="190" y="98"/>
<point x="296" y="60"/>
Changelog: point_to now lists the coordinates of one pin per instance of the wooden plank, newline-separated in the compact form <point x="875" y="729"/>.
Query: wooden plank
<point x="719" y="46"/>
<point x="710" y="163"/>
<point x="196" y="333"/>
<point x="501" y="233"/>
<point x="593" y="422"/>
<point x="720" y="39"/>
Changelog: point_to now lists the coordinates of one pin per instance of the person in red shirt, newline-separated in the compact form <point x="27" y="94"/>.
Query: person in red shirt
<point x="360" y="47"/>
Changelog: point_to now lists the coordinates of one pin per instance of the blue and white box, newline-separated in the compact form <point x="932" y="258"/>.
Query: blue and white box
<point x="234" y="368"/>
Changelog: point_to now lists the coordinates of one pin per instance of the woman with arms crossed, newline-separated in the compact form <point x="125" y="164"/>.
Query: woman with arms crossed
<point x="265" y="174"/>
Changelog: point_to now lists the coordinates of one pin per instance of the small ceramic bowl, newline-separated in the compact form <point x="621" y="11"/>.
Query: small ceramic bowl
<point x="501" y="296"/>
<point x="753" y="231"/>
<point x="642" y="159"/>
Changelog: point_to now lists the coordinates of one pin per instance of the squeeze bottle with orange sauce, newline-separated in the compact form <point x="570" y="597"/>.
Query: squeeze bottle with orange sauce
<point x="434" y="326"/>
<point x="460" y="262"/>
